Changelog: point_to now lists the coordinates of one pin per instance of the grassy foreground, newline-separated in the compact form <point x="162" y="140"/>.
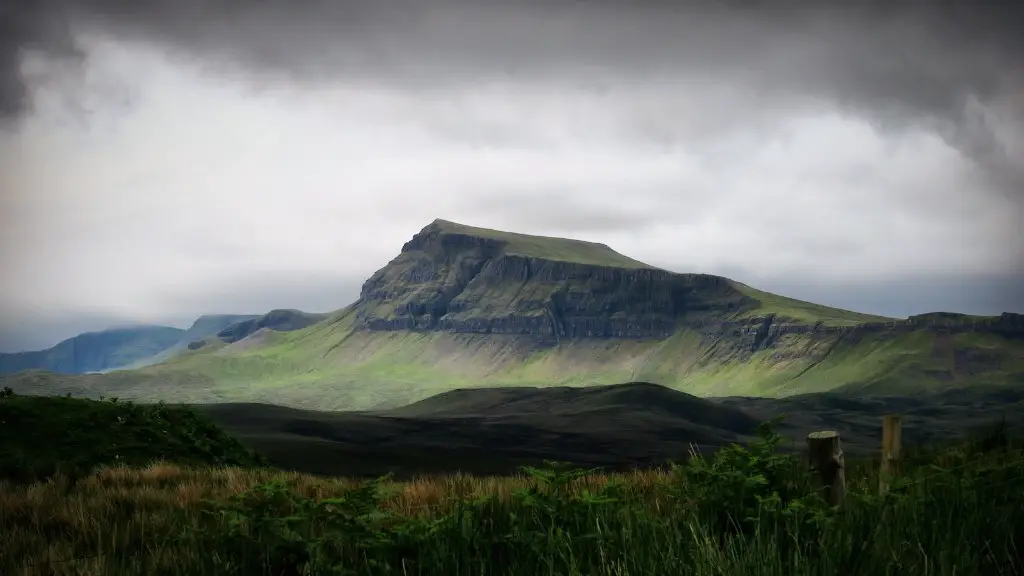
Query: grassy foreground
<point x="747" y="510"/>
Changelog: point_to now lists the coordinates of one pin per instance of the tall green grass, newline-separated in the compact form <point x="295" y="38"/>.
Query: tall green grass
<point x="745" y="510"/>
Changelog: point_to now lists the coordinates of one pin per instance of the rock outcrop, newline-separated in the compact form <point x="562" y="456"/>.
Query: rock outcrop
<point x="761" y="333"/>
<point x="458" y="279"/>
<point x="457" y="282"/>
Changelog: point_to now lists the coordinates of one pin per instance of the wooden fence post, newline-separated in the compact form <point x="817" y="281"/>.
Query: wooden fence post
<point x="890" y="465"/>
<point x="826" y="457"/>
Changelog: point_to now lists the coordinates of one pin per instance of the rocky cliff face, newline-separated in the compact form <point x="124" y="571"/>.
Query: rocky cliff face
<point x="446" y="279"/>
<point x="762" y="333"/>
<point x="469" y="284"/>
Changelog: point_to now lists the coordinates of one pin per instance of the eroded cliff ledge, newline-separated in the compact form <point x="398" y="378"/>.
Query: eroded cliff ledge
<point x="763" y="332"/>
<point x="459" y="279"/>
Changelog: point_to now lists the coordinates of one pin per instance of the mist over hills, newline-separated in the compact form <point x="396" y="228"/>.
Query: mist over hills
<point x="465" y="307"/>
<point x="95" y="351"/>
<point x="146" y="345"/>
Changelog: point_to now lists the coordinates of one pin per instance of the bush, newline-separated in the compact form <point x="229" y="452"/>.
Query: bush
<point x="72" y="437"/>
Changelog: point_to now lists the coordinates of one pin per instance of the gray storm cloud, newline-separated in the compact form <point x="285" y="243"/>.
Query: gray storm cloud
<point x="954" y="66"/>
<point x="895" y="56"/>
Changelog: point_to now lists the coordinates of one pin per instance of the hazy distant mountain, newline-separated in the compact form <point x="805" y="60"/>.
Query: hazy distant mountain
<point x="95" y="351"/>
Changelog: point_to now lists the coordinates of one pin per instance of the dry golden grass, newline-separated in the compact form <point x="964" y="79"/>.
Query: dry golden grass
<point x="119" y="508"/>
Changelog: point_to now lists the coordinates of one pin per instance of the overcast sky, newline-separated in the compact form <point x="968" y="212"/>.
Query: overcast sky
<point x="160" y="159"/>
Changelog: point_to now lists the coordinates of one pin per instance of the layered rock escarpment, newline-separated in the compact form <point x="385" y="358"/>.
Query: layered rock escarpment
<point x="459" y="279"/>
<point x="453" y="281"/>
<point x="762" y="333"/>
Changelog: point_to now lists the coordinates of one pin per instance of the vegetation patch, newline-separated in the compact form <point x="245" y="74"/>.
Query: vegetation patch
<point x="545" y="247"/>
<point x="41" y="437"/>
<point x="799" y="311"/>
<point x="745" y="510"/>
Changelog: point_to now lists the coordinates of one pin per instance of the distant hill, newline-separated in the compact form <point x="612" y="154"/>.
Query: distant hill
<point x="140" y="346"/>
<point x="95" y="351"/>
<point x="490" y="430"/>
<point x="465" y="307"/>
<point x="205" y="326"/>
<point x="494" y="430"/>
<point x="278" y="320"/>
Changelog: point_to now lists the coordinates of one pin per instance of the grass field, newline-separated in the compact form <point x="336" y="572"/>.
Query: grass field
<point x="110" y="488"/>
<point x="744" y="511"/>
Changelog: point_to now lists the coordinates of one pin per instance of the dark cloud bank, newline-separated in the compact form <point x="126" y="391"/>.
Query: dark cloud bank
<point x="902" y="62"/>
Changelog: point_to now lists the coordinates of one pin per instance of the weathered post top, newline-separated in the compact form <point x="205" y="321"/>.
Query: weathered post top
<point x="825" y="454"/>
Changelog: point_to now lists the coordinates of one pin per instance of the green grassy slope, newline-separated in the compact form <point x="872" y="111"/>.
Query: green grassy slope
<point x="547" y="248"/>
<point x="799" y="311"/>
<point x="331" y="366"/>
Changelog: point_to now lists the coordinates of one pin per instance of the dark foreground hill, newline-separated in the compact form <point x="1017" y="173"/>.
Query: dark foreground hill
<point x="491" y="430"/>
<point x="495" y="430"/>
<point x="482" y="431"/>
<point x="749" y="510"/>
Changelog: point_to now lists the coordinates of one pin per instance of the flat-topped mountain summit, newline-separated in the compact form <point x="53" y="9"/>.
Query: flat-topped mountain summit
<point x="465" y="307"/>
<point x="458" y="278"/>
<point x="498" y="242"/>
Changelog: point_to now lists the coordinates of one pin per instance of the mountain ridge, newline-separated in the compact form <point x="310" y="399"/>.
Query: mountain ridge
<point x="457" y="278"/>
<point x="127" y="348"/>
<point x="280" y="320"/>
<point x="468" y="307"/>
<point x="202" y="327"/>
<point x="94" y="351"/>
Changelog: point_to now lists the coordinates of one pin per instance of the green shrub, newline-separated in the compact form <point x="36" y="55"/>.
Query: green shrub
<point x="41" y="437"/>
<point x="745" y="510"/>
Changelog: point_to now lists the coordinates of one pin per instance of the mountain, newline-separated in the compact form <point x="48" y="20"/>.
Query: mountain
<point x="139" y="346"/>
<point x="278" y="320"/>
<point x="94" y="351"/>
<point x="206" y="326"/>
<point x="464" y="307"/>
